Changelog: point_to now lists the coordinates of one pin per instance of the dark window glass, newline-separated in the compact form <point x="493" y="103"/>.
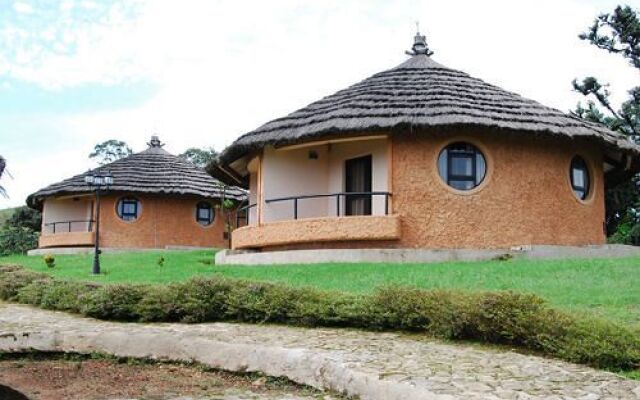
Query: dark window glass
<point x="128" y="208"/>
<point x="580" y="181"/>
<point x="204" y="213"/>
<point x="358" y="180"/>
<point x="462" y="166"/>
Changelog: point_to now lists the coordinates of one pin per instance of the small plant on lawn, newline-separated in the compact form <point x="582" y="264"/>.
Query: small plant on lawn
<point x="49" y="260"/>
<point x="161" y="261"/>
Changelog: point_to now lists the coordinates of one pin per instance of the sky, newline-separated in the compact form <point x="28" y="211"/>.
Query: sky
<point x="199" y="73"/>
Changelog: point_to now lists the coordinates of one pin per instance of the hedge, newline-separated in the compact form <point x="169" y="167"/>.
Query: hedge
<point x="519" y="320"/>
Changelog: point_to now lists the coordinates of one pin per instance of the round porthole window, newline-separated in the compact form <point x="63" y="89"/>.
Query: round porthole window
<point x="462" y="166"/>
<point x="204" y="213"/>
<point x="580" y="180"/>
<point x="128" y="209"/>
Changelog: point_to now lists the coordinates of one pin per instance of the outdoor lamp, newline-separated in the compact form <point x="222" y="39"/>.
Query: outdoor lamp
<point x="98" y="182"/>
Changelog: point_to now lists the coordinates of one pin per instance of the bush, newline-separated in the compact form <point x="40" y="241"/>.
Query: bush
<point x="521" y="320"/>
<point x="55" y="295"/>
<point x="114" y="302"/>
<point x="14" y="240"/>
<point x="49" y="260"/>
<point x="12" y="278"/>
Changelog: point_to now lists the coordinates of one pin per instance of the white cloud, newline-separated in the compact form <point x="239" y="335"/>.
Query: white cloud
<point x="22" y="7"/>
<point x="225" y="67"/>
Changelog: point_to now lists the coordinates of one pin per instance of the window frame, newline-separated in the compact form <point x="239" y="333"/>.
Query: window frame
<point x="584" y="167"/>
<point x="212" y="214"/>
<point x="128" y="216"/>
<point x="470" y="152"/>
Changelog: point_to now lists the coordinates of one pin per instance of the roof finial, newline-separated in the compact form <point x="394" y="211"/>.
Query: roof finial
<point x="419" y="44"/>
<point x="155" y="142"/>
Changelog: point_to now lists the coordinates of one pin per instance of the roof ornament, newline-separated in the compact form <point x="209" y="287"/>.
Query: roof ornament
<point x="419" y="44"/>
<point x="155" y="142"/>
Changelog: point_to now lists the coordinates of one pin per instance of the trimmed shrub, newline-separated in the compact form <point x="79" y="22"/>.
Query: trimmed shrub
<point x="444" y="313"/>
<point x="12" y="278"/>
<point x="55" y="295"/>
<point x="113" y="302"/>
<point x="521" y="320"/>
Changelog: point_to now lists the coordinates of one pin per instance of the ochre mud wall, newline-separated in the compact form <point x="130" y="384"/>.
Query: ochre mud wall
<point x="525" y="198"/>
<point x="163" y="221"/>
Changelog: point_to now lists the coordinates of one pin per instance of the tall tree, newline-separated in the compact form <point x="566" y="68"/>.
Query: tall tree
<point x="199" y="157"/>
<point x="110" y="151"/>
<point x="617" y="33"/>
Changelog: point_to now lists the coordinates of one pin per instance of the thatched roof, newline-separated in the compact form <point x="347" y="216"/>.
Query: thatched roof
<point x="153" y="171"/>
<point x="421" y="93"/>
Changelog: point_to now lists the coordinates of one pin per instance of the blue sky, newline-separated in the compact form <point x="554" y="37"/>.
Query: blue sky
<point x="201" y="72"/>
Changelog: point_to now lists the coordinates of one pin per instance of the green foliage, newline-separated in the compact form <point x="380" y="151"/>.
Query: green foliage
<point x="199" y="157"/>
<point x="49" y="260"/>
<point x="160" y="261"/>
<point x="25" y="217"/>
<point x="110" y="151"/>
<point x="19" y="232"/>
<point x="617" y="33"/>
<point x="116" y="302"/>
<point x="17" y="240"/>
<point x="521" y="320"/>
<point x="13" y="278"/>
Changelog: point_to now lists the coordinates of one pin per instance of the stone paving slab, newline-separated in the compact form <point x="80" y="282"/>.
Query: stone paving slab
<point x="366" y="364"/>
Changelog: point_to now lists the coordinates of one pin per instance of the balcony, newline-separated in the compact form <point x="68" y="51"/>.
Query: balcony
<point x="352" y="221"/>
<point x="67" y="234"/>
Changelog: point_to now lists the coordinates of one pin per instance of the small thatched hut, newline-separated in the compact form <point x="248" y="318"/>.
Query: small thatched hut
<point x="425" y="156"/>
<point x="157" y="200"/>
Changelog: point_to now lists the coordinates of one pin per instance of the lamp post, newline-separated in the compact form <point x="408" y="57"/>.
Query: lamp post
<point x="98" y="182"/>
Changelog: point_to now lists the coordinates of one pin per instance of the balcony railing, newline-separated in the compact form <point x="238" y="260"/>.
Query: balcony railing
<point x="69" y="226"/>
<point x="338" y="196"/>
<point x="243" y="214"/>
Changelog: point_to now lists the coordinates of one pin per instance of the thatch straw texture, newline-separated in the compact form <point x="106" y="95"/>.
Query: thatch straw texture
<point x="153" y="171"/>
<point x="420" y="93"/>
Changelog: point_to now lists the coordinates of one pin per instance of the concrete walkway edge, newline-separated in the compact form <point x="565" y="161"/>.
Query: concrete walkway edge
<point x="300" y="366"/>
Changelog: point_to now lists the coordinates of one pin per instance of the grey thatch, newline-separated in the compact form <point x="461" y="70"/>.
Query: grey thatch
<point x="153" y="171"/>
<point x="421" y="93"/>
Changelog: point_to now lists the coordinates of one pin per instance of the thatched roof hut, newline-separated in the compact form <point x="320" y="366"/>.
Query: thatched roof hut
<point x="152" y="171"/>
<point x="420" y="93"/>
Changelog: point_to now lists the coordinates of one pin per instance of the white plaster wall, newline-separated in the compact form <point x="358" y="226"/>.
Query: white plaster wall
<point x="340" y="152"/>
<point x="291" y="173"/>
<point x="60" y="210"/>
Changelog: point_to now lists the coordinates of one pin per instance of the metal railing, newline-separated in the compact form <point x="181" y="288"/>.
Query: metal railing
<point x="55" y="226"/>
<point x="243" y="214"/>
<point x="338" y="196"/>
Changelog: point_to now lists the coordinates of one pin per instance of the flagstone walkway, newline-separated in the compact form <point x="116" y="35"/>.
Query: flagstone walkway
<point x="367" y="364"/>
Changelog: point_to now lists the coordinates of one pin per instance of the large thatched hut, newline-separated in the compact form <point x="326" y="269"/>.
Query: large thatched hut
<point x="425" y="156"/>
<point x="157" y="200"/>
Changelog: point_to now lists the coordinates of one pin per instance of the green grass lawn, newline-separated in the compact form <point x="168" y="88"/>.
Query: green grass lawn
<point x="607" y="288"/>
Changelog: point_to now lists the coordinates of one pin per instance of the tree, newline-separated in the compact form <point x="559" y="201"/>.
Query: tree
<point x="3" y="165"/>
<point x="25" y="217"/>
<point x="199" y="157"/>
<point x="617" y="33"/>
<point x="110" y="151"/>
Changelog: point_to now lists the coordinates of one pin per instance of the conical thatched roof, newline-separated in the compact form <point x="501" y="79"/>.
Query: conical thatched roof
<point x="421" y="93"/>
<point x="153" y="171"/>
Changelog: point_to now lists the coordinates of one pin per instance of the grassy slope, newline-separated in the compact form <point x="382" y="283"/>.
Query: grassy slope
<point x="608" y="288"/>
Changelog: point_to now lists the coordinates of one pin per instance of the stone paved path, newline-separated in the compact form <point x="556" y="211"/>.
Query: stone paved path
<point x="368" y="364"/>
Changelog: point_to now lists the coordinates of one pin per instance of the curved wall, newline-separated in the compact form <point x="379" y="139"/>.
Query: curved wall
<point x="164" y="221"/>
<point x="525" y="198"/>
